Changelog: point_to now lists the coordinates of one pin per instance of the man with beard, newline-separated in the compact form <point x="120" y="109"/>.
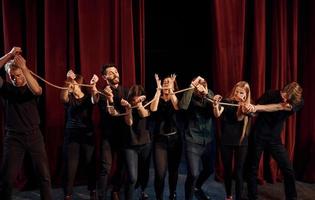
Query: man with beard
<point x="112" y="130"/>
<point x="22" y="133"/>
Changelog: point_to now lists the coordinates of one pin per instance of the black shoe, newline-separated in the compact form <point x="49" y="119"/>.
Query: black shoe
<point x="144" y="196"/>
<point x="173" y="196"/>
<point x="201" y="195"/>
<point x="93" y="195"/>
<point x="115" y="196"/>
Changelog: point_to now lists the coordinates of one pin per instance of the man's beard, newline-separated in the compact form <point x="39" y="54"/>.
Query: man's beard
<point x="114" y="81"/>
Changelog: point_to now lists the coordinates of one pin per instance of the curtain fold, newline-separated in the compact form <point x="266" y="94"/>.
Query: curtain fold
<point x="58" y="35"/>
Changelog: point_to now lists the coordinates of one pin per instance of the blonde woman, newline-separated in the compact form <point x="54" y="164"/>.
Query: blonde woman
<point x="234" y="138"/>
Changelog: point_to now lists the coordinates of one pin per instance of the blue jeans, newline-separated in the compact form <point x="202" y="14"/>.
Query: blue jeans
<point x="16" y="144"/>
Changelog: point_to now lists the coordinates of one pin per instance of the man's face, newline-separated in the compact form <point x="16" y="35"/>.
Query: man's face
<point x="112" y="75"/>
<point x="17" y="77"/>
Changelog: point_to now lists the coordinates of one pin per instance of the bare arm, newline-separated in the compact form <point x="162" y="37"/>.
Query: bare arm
<point x="128" y="117"/>
<point x="272" y="107"/>
<point x="14" y="51"/>
<point x="156" y="98"/>
<point x="94" y="92"/>
<point x="217" y="109"/>
<point x="31" y="82"/>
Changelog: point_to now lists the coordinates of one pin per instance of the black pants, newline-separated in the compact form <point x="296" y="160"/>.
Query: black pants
<point x="280" y="155"/>
<point x="110" y="151"/>
<point x="167" y="155"/>
<point x="76" y="143"/>
<point x="240" y="153"/>
<point x="16" y="144"/>
<point x="138" y="168"/>
<point x="195" y="178"/>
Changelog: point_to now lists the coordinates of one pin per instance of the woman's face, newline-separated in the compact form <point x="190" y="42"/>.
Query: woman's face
<point x="166" y="84"/>
<point x="240" y="94"/>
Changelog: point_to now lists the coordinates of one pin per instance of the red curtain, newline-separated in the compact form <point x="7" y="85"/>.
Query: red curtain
<point x="260" y="41"/>
<point x="57" y="35"/>
<point x="268" y="43"/>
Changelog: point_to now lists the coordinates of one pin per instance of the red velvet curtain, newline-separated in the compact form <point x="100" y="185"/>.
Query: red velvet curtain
<point x="57" y="35"/>
<point x="268" y="43"/>
<point x="260" y="41"/>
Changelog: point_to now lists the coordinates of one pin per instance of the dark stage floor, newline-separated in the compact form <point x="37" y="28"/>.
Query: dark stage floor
<point x="213" y="188"/>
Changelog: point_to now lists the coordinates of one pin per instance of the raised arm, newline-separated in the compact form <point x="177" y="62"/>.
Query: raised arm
<point x="174" y="99"/>
<point x="14" y="51"/>
<point x="94" y="92"/>
<point x="31" y="82"/>
<point x="128" y="117"/>
<point x="64" y="94"/>
<point x="217" y="109"/>
<point x="143" y="112"/>
<point x="156" y="98"/>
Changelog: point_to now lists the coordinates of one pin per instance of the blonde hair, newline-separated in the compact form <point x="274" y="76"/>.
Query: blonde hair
<point x="244" y="85"/>
<point x="294" y="92"/>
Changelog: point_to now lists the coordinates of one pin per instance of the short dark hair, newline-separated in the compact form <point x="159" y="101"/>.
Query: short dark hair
<point x="105" y="66"/>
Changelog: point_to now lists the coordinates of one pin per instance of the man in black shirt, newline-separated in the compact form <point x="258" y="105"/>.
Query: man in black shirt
<point x="21" y="125"/>
<point x="112" y="130"/>
<point x="274" y="107"/>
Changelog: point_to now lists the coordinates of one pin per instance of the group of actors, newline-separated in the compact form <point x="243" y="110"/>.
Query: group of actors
<point x="133" y="129"/>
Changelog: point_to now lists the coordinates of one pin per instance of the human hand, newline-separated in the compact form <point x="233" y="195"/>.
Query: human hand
<point x="15" y="51"/>
<point x="71" y="74"/>
<point x="94" y="79"/>
<point x="20" y="61"/>
<point x="125" y="103"/>
<point x="158" y="81"/>
<point x="109" y="93"/>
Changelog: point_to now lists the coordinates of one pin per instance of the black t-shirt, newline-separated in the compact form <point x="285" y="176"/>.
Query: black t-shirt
<point x="269" y="124"/>
<point x="138" y="133"/>
<point x="21" y="111"/>
<point x="79" y="112"/>
<point x="111" y="125"/>
<point x="232" y="129"/>
<point x="165" y="118"/>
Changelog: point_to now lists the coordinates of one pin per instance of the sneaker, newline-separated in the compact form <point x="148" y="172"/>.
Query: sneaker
<point x="201" y="195"/>
<point x="144" y="196"/>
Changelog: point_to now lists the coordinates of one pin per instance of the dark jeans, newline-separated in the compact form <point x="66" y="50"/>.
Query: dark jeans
<point x="167" y="155"/>
<point x="16" y="144"/>
<point x="76" y="143"/>
<point x="110" y="151"/>
<point x="138" y="168"/>
<point x="240" y="153"/>
<point x="195" y="178"/>
<point x="280" y="155"/>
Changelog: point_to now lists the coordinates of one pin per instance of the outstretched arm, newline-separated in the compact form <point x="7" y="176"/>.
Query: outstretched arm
<point x="156" y="98"/>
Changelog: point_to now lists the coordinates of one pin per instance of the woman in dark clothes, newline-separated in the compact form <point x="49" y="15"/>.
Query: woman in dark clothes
<point x="79" y="133"/>
<point x="137" y="142"/>
<point x="234" y="138"/>
<point x="167" y="145"/>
